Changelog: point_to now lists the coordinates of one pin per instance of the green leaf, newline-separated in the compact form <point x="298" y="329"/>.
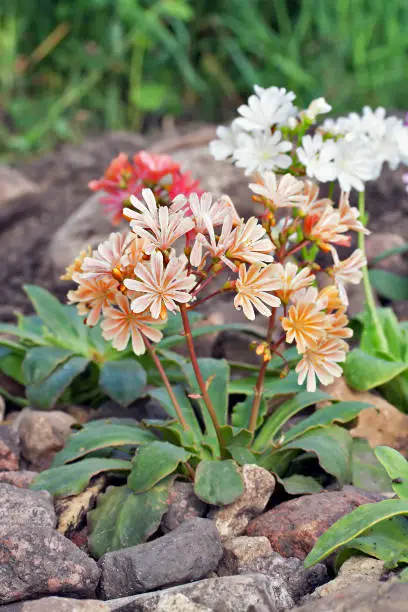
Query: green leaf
<point x="41" y="361"/>
<point x="396" y="391"/>
<point x="241" y="455"/>
<point x="395" y="338"/>
<point x="241" y="412"/>
<point x="353" y="525"/>
<point x="53" y="314"/>
<point x="403" y="576"/>
<point x="44" y="394"/>
<point x="235" y="435"/>
<point x="124" y="380"/>
<point x="364" y="371"/>
<point x="100" y="435"/>
<point x="341" y="412"/>
<point x="389" y="285"/>
<point x="73" y="478"/>
<point x="283" y="413"/>
<point x="216" y="375"/>
<point x="331" y="445"/>
<point x="123" y="518"/>
<point x="22" y="333"/>
<point x="153" y="462"/>
<point x="218" y="482"/>
<point x="11" y="364"/>
<point x="162" y="396"/>
<point x="273" y="385"/>
<point x="396" y="467"/>
<point x="367" y="471"/>
<point x="277" y="460"/>
<point x="297" y="484"/>
<point x="388" y="253"/>
<point x="387" y="541"/>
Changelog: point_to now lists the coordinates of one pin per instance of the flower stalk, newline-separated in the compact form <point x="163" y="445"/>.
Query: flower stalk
<point x="200" y="380"/>
<point x="370" y="302"/>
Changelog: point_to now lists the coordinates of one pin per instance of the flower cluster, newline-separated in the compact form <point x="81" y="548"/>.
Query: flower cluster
<point x="124" y="179"/>
<point x="272" y="134"/>
<point x="172" y="253"/>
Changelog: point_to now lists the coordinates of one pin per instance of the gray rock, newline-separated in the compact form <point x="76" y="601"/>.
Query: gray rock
<point x="37" y="561"/>
<point x="42" y="434"/>
<point x="378" y="597"/>
<point x="233" y="519"/>
<point x="359" y="569"/>
<point x="25" y="507"/>
<point x="298" y="580"/>
<point x="251" y="593"/>
<point x="86" y="226"/>
<point x="179" y="603"/>
<point x="188" y="553"/>
<point x="242" y="550"/>
<point x="9" y="450"/>
<point x="183" y="505"/>
<point x="379" y="242"/>
<point x="57" y="604"/>
<point x="14" y="185"/>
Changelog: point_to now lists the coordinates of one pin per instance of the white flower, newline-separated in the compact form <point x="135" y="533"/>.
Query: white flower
<point x="319" y="106"/>
<point x="355" y="163"/>
<point x="267" y="107"/>
<point x="318" y="157"/>
<point x="283" y="192"/>
<point x="227" y="141"/>
<point x="260" y="152"/>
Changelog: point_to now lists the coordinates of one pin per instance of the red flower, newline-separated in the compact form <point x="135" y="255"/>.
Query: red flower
<point x="150" y="168"/>
<point x="183" y="183"/>
<point x="117" y="175"/>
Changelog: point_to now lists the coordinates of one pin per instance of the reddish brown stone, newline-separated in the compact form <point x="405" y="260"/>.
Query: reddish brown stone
<point x="9" y="452"/>
<point x="294" y="526"/>
<point x="19" y="479"/>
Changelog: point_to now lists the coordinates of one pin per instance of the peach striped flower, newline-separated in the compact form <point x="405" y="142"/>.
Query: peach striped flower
<point x="212" y="244"/>
<point x="107" y="256"/>
<point x="121" y="323"/>
<point x="305" y="323"/>
<point x="250" y="244"/>
<point x="144" y="211"/>
<point x="326" y="228"/>
<point x="160" y="287"/>
<point x="284" y="192"/>
<point x="203" y="207"/>
<point x="349" y="215"/>
<point x="321" y="361"/>
<point x="330" y="295"/>
<point x="254" y="288"/>
<point x="347" y="271"/>
<point x="338" y="329"/>
<point x="74" y="270"/>
<point x="291" y="279"/>
<point x="91" y="296"/>
<point x="312" y="205"/>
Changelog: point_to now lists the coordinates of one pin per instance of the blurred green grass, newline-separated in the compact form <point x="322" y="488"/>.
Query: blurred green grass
<point x="67" y="67"/>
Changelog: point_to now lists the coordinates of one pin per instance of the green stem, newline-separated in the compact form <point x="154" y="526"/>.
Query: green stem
<point x="200" y="380"/>
<point x="370" y="302"/>
<point x="166" y="382"/>
<point x="331" y="189"/>
<point x="259" y="387"/>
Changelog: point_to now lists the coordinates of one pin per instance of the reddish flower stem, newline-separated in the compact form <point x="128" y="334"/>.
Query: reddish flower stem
<point x="198" y="374"/>
<point x="259" y="387"/>
<point x="295" y="249"/>
<point x="166" y="383"/>
<point x="208" y="297"/>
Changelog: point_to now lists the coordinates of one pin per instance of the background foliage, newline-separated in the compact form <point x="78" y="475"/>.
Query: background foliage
<point x="68" y="66"/>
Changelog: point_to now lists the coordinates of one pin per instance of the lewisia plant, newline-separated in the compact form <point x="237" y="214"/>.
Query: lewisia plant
<point x="180" y="253"/>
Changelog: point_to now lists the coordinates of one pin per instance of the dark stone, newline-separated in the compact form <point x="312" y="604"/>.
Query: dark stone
<point x="294" y="526"/>
<point x="298" y="580"/>
<point x="183" y="505"/>
<point x="188" y="553"/>
<point x="37" y="561"/>
<point x="25" y="507"/>
<point x="9" y="450"/>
